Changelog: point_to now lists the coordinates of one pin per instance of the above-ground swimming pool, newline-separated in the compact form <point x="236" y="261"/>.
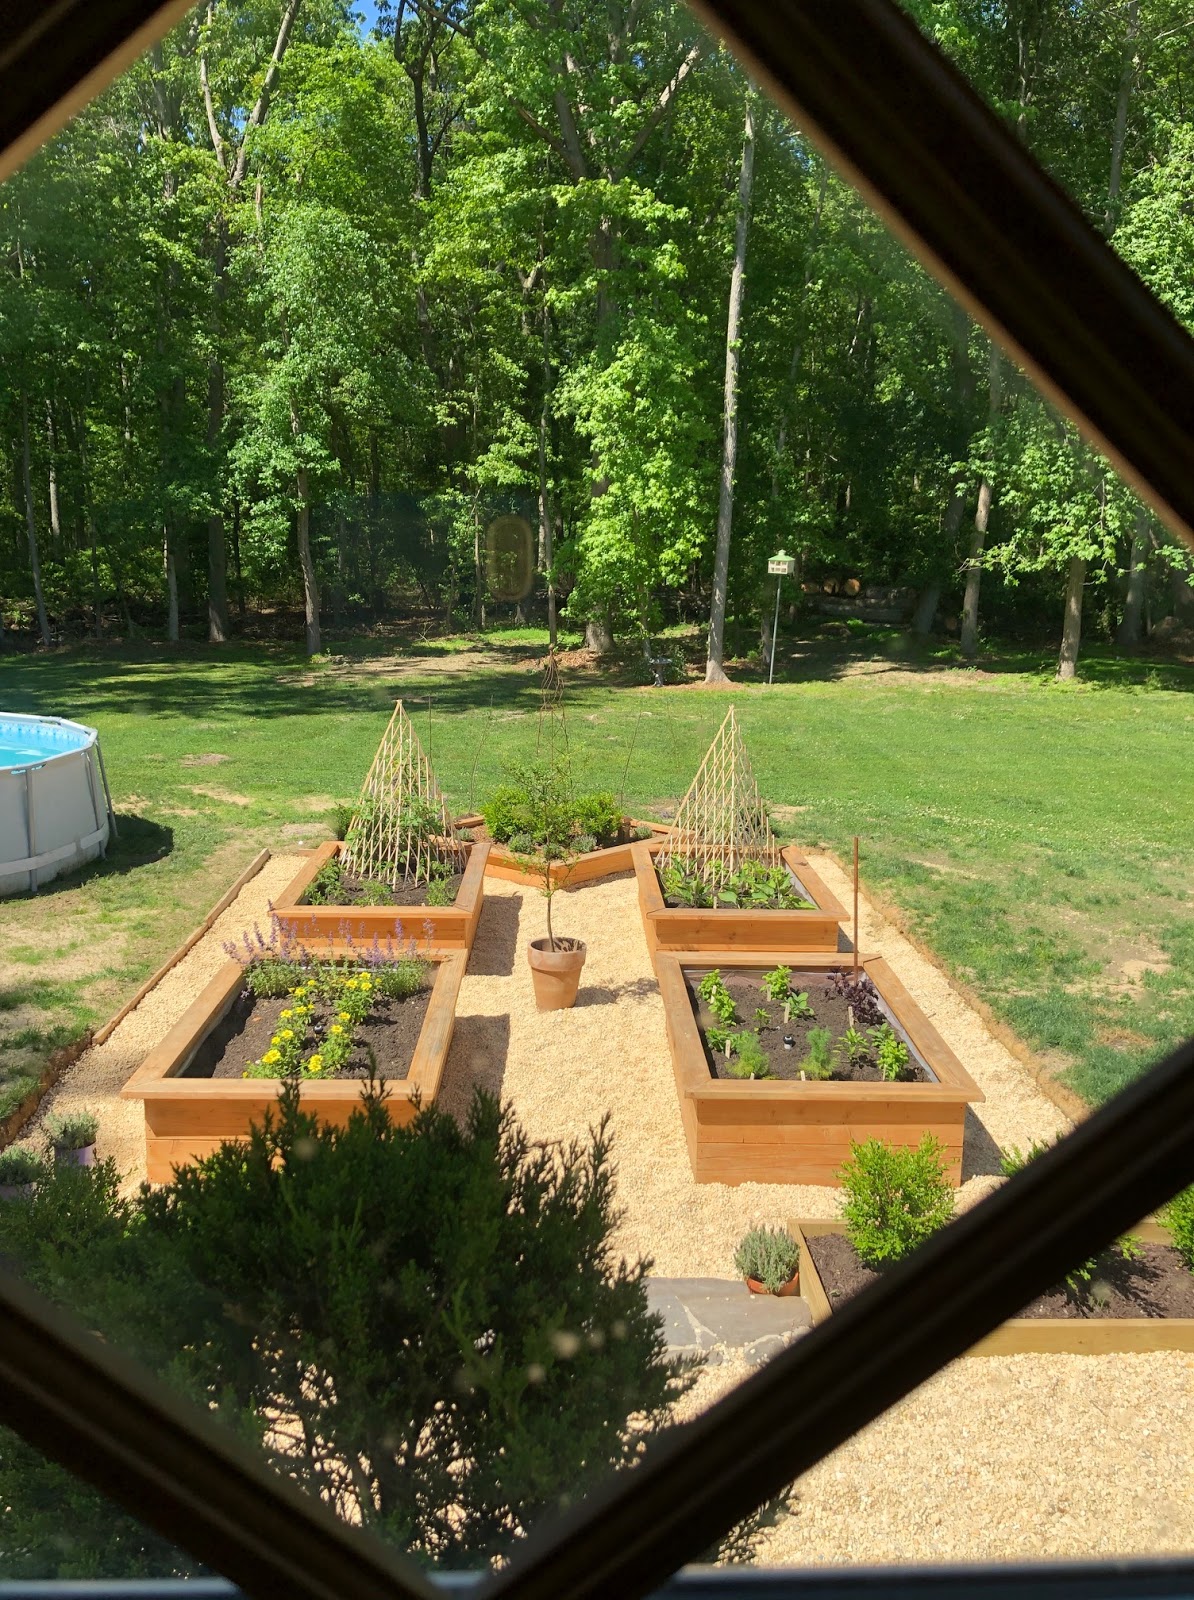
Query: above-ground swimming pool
<point x="55" y="812"/>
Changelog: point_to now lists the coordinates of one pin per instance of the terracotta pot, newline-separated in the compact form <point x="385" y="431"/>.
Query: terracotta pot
<point x="555" y="973"/>
<point x="80" y="1156"/>
<point x="791" y="1287"/>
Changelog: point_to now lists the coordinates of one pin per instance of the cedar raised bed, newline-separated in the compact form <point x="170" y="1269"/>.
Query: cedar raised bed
<point x="784" y="1131"/>
<point x="586" y="868"/>
<point x="436" y="930"/>
<point x="187" y="1118"/>
<point x="1038" y="1335"/>
<point x="684" y="928"/>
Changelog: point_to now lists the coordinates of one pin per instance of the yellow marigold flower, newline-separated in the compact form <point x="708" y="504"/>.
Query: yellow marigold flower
<point x="286" y="1014"/>
<point x="344" y="1016"/>
<point x="315" y="1064"/>
<point x="335" y="1028"/>
<point x="270" y="1057"/>
<point x="286" y="1033"/>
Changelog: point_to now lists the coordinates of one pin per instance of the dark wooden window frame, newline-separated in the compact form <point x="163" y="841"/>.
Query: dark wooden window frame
<point x="887" y="109"/>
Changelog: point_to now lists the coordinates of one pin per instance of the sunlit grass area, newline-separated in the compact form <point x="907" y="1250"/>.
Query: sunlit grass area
<point x="1036" y="838"/>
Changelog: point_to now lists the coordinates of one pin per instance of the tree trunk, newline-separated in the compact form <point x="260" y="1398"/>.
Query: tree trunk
<point x="1071" y="634"/>
<point x="598" y="637"/>
<point x="52" y="445"/>
<point x="982" y="517"/>
<point x="310" y="584"/>
<point x="714" y="670"/>
<point x="43" y="622"/>
<point x="926" y="609"/>
<point x="171" y="585"/>
<point x="1127" y="635"/>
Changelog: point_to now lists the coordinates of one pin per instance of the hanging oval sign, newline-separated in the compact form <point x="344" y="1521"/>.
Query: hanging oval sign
<point x="509" y="558"/>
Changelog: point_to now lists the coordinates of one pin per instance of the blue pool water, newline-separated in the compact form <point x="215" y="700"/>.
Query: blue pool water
<point x="24" y="740"/>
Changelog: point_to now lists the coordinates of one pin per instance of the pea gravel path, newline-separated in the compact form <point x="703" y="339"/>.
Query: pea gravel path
<point x="1019" y="1457"/>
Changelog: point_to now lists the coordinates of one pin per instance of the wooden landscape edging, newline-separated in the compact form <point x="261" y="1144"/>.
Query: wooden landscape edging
<point x="692" y="929"/>
<point x="1026" y="1336"/>
<point x="779" y="1131"/>
<point x="184" y="948"/>
<point x="436" y="929"/>
<point x="586" y="868"/>
<point x="188" y="1118"/>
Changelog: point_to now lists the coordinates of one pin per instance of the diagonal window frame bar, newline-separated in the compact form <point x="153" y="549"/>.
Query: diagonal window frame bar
<point x="888" y="110"/>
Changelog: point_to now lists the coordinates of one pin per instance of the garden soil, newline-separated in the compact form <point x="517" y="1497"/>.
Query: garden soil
<point x="999" y="1458"/>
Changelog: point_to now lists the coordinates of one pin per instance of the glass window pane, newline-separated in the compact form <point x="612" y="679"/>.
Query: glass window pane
<point x="462" y="334"/>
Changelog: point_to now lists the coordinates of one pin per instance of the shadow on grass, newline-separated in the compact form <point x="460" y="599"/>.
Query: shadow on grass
<point x="140" y="842"/>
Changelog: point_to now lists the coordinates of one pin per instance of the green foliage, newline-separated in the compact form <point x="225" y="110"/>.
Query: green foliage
<point x="510" y="1300"/>
<point x="539" y="811"/>
<point x="598" y="816"/>
<point x="340" y="818"/>
<point x="1178" y="1218"/>
<point x="1079" y="1279"/>
<point x="894" y="1198"/>
<point x="857" y="1046"/>
<point x="891" y="1053"/>
<point x="717" y="1039"/>
<point x="712" y="990"/>
<point x="748" y="1059"/>
<point x="71" y="1130"/>
<point x="777" y="983"/>
<point x="820" y="1060"/>
<point x="326" y="1008"/>
<point x="768" y="1255"/>
<point x="798" y="1006"/>
<point x="19" y="1165"/>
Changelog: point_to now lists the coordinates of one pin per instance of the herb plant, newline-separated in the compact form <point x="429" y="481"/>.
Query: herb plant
<point x="891" y="1053"/>
<point x="777" y="982"/>
<point x="717" y="997"/>
<point x="768" y="1255"/>
<point x="819" y="1062"/>
<point x="19" y="1166"/>
<point x="749" y="1059"/>
<point x="1178" y="1219"/>
<point x="797" y="1006"/>
<point x="72" y="1130"/>
<point x="860" y="995"/>
<point x="857" y="1046"/>
<point x="894" y="1198"/>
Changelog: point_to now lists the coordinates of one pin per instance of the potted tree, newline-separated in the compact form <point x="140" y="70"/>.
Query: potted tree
<point x="72" y="1135"/>
<point x="555" y="961"/>
<point x="19" y="1171"/>
<point x="769" y="1260"/>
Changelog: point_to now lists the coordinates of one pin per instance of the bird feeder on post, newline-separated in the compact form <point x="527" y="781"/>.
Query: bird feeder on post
<point x="780" y="566"/>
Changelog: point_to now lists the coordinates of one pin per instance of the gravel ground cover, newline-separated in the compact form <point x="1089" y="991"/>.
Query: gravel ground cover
<point x="1017" y="1457"/>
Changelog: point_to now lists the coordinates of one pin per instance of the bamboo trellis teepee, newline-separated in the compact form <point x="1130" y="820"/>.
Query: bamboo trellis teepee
<point x="401" y="825"/>
<point x="722" y="820"/>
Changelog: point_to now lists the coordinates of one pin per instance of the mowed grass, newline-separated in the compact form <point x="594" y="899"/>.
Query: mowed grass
<point x="1038" y="839"/>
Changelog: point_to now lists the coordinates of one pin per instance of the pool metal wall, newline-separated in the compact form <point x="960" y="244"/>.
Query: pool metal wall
<point x="54" y="812"/>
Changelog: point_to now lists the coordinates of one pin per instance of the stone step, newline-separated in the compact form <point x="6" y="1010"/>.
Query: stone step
<point x="719" y="1318"/>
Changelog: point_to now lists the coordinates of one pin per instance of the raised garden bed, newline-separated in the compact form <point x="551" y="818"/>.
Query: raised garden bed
<point x="584" y="868"/>
<point x="691" y="928"/>
<point x="784" y="1130"/>
<point x="195" y="1099"/>
<point x="1150" y="1307"/>
<point x="435" y="929"/>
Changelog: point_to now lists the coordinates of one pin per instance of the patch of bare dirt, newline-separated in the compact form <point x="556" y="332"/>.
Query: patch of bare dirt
<point x="225" y="797"/>
<point x="211" y="759"/>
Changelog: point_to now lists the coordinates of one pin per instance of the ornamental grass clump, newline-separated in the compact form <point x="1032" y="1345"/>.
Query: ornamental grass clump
<point x="894" y="1198"/>
<point x="768" y="1255"/>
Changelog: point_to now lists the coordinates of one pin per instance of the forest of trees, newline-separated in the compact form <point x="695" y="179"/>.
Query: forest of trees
<point x="308" y="297"/>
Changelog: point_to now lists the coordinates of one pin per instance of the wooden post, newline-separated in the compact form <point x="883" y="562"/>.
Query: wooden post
<point x="856" y="906"/>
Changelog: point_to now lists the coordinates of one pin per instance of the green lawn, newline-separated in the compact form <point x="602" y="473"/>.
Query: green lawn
<point x="1037" y="838"/>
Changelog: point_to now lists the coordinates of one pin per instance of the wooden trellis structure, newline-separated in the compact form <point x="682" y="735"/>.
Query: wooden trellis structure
<point x="401" y="823"/>
<point x="722" y="820"/>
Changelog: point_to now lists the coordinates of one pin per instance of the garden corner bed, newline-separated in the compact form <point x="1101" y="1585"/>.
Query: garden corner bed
<point x="435" y="929"/>
<point x="586" y="867"/>
<point x="195" y="1096"/>
<point x="786" y="1130"/>
<point x="697" y="928"/>
<point x="1147" y="1304"/>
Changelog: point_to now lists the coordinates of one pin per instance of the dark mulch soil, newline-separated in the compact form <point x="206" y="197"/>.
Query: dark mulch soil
<point x="829" y="1011"/>
<point x="392" y="1030"/>
<point x="1157" y="1284"/>
<point x="366" y="891"/>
